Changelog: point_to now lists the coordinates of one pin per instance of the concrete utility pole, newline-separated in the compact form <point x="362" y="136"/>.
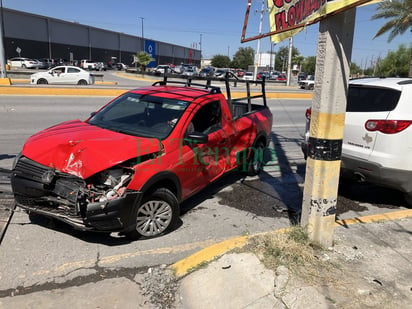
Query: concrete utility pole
<point x="327" y="125"/>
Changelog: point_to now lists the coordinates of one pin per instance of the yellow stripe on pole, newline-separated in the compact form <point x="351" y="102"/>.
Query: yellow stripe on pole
<point x="327" y="126"/>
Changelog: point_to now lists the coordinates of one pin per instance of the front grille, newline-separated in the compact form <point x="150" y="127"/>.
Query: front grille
<point x="29" y="169"/>
<point x="59" y="197"/>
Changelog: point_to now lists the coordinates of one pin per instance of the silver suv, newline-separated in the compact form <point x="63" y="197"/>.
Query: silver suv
<point x="377" y="143"/>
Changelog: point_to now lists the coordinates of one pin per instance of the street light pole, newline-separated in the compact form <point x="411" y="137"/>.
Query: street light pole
<point x="3" y="73"/>
<point x="257" y="55"/>
<point x="142" y="18"/>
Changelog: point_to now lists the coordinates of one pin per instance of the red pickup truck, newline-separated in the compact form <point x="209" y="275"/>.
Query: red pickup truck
<point x="128" y="166"/>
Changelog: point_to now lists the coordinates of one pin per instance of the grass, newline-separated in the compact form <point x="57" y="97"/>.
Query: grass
<point x="292" y="249"/>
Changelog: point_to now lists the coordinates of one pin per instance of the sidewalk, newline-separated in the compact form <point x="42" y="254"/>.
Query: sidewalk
<point x="368" y="267"/>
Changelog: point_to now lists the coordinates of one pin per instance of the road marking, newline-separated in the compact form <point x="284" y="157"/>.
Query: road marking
<point x="109" y="260"/>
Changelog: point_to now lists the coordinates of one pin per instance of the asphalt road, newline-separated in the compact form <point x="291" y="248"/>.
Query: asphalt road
<point x="38" y="254"/>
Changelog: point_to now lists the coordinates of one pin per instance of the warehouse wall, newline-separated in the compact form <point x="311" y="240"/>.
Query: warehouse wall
<point x="46" y="37"/>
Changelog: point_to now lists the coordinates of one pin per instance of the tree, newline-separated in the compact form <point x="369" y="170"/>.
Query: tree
<point x="142" y="59"/>
<point x="355" y="70"/>
<point x="396" y="63"/>
<point x="220" y="61"/>
<point x="400" y="14"/>
<point x="309" y="65"/>
<point x="243" y="58"/>
<point x="281" y="58"/>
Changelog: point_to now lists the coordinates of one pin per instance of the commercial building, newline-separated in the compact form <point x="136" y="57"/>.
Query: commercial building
<point x="34" y="36"/>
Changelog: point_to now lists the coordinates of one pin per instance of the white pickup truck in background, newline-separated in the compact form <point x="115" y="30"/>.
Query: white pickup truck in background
<point x="307" y="83"/>
<point x="92" y="65"/>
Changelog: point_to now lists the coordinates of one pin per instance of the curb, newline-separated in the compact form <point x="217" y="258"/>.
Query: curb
<point x="85" y="91"/>
<point x="187" y="265"/>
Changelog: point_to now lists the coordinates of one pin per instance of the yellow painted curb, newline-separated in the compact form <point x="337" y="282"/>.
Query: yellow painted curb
<point x="61" y="91"/>
<point x="276" y="95"/>
<point x="20" y="81"/>
<point x="184" y="266"/>
<point x="105" y="83"/>
<point x="376" y="218"/>
<point x="5" y="81"/>
<point x="85" y="91"/>
<point x="27" y="81"/>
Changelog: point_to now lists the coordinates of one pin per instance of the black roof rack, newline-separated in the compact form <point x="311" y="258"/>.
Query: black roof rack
<point x="215" y="89"/>
<point x="188" y="83"/>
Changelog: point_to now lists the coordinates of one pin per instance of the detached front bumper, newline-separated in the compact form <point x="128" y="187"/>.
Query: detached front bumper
<point x="68" y="199"/>
<point x="113" y="216"/>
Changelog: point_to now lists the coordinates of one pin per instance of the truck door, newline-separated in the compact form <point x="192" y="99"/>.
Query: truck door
<point x="205" y="162"/>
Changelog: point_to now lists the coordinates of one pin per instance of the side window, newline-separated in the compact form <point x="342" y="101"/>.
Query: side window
<point x="72" y="70"/>
<point x="208" y="118"/>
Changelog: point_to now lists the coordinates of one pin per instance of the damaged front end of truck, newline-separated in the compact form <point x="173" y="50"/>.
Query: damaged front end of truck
<point x="100" y="202"/>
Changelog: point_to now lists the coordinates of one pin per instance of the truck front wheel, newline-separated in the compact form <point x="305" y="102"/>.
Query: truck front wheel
<point x="157" y="214"/>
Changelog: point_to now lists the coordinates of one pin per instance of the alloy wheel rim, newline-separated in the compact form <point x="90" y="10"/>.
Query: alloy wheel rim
<point x="153" y="218"/>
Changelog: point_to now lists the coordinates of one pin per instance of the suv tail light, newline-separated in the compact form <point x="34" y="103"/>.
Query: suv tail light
<point x="387" y="126"/>
<point x="308" y="113"/>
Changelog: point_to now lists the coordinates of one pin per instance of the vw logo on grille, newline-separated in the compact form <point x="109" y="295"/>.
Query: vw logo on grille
<point x="48" y="176"/>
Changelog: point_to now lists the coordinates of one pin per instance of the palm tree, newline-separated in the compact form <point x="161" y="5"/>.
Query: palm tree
<point x="400" y="14"/>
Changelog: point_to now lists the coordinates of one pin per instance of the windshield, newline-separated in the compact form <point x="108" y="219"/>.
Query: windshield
<point x="140" y="115"/>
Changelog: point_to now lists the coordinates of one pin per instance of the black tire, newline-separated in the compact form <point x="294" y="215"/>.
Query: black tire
<point x="82" y="82"/>
<point x="42" y="81"/>
<point x="23" y="66"/>
<point x="254" y="161"/>
<point x="408" y="198"/>
<point x="157" y="214"/>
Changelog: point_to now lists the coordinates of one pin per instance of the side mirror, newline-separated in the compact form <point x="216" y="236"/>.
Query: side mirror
<point x="196" y="138"/>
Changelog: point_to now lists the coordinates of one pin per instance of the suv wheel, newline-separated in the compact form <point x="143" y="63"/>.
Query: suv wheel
<point x="157" y="214"/>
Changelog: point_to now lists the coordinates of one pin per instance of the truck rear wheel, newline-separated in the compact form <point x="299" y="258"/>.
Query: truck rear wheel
<point x="256" y="158"/>
<point x="408" y="198"/>
<point x="157" y="214"/>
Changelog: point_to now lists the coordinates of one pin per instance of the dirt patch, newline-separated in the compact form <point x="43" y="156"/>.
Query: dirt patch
<point x="366" y="267"/>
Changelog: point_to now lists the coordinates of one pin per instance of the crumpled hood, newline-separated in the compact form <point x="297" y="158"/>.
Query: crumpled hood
<point x="81" y="149"/>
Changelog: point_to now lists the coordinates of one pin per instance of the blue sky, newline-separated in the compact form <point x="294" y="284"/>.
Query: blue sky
<point x="217" y="24"/>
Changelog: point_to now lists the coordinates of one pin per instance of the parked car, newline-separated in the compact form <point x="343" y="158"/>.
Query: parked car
<point x="129" y="166"/>
<point x="302" y="76"/>
<point x="261" y="74"/>
<point x="308" y="83"/>
<point x="63" y="75"/>
<point x="274" y="75"/>
<point x="48" y="63"/>
<point x="190" y="71"/>
<point x="240" y="73"/>
<point x="207" y="72"/>
<point x="281" y="77"/>
<point x="248" y="75"/>
<point x="377" y="138"/>
<point x="221" y="72"/>
<point x="160" y="69"/>
<point x="24" y="63"/>
<point x="41" y="64"/>
<point x="91" y="65"/>
<point x="121" y="66"/>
